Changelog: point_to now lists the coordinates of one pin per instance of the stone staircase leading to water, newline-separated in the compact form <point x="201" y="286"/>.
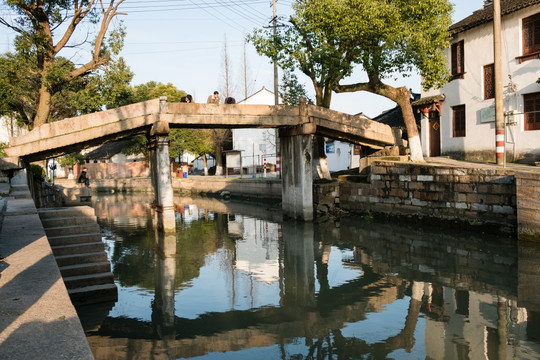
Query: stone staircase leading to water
<point x="75" y="240"/>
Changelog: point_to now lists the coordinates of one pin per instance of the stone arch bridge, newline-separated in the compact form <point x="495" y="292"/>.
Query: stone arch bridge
<point x="154" y="118"/>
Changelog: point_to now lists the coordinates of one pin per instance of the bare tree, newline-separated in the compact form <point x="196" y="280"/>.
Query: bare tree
<point x="248" y="84"/>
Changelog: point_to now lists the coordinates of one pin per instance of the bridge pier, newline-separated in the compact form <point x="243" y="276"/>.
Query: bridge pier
<point x="297" y="172"/>
<point x="160" y="174"/>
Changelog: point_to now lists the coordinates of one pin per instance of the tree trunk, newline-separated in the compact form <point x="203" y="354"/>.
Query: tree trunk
<point x="320" y="166"/>
<point x="402" y="97"/>
<point x="43" y="108"/>
<point x="415" y="146"/>
<point x="219" y="162"/>
<point x="205" y="165"/>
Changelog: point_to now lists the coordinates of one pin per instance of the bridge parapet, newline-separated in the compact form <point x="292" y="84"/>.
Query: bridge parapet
<point x="68" y="135"/>
<point x="74" y="134"/>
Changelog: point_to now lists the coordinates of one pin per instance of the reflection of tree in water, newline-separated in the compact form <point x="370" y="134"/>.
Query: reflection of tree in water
<point x="134" y="257"/>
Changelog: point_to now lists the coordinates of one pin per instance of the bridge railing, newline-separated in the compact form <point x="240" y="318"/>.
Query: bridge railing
<point x="74" y="134"/>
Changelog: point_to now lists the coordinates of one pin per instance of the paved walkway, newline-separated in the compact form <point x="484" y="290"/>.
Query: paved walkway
<point x="37" y="319"/>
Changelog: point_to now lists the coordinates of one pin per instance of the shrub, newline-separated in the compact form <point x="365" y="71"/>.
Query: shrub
<point x="38" y="172"/>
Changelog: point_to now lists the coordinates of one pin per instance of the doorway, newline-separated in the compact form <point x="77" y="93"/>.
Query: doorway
<point x="434" y="134"/>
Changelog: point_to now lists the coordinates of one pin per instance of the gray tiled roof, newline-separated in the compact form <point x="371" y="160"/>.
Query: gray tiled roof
<point x="485" y="14"/>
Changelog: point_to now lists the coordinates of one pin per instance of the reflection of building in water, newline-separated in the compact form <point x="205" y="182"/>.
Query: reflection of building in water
<point x="125" y="212"/>
<point x="257" y="253"/>
<point x="479" y="326"/>
<point x="189" y="213"/>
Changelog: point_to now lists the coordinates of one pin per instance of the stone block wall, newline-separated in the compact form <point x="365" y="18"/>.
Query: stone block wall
<point x="458" y="194"/>
<point x="47" y="195"/>
<point x="528" y="205"/>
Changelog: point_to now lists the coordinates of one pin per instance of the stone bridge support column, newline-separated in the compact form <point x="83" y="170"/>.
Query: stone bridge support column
<point x="297" y="172"/>
<point x="160" y="173"/>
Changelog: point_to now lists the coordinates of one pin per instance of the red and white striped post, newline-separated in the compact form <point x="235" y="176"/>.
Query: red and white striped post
<point x="499" y="145"/>
<point x="278" y="166"/>
<point x="264" y="166"/>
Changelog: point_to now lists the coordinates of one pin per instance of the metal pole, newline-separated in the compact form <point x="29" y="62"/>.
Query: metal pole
<point x="499" y="106"/>
<point x="274" y="25"/>
<point x="276" y="92"/>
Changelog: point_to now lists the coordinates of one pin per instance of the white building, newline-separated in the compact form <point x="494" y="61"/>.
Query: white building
<point x="461" y="120"/>
<point x="256" y="144"/>
<point x="9" y="128"/>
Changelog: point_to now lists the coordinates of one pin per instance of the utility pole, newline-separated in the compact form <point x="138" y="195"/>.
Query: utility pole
<point x="276" y="92"/>
<point x="274" y="25"/>
<point x="497" y="64"/>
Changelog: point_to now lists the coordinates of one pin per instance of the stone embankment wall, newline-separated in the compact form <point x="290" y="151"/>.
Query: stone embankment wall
<point x="47" y="195"/>
<point x="452" y="194"/>
<point x="264" y="189"/>
<point x="528" y="205"/>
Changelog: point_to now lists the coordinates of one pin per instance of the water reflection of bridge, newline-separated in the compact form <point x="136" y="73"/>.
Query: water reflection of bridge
<point x="437" y="273"/>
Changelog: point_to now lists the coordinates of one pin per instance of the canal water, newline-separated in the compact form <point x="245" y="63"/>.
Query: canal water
<point x="237" y="282"/>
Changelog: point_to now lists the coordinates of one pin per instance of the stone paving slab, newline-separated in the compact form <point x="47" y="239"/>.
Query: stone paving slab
<point x="37" y="319"/>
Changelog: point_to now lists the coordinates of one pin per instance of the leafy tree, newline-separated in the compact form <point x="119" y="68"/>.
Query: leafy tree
<point x="327" y="39"/>
<point x="71" y="159"/>
<point x="37" y="23"/>
<point x="153" y="90"/>
<point x="178" y="137"/>
<point x="108" y="87"/>
<point x="19" y="89"/>
<point x="291" y="89"/>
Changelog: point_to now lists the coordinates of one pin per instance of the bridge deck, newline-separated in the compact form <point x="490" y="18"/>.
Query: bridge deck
<point x="74" y="134"/>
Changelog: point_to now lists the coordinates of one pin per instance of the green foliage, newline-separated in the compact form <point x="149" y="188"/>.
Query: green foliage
<point x="153" y="90"/>
<point x="37" y="172"/>
<point x="18" y="87"/>
<point x="135" y="146"/>
<point x="42" y="86"/>
<point x="3" y="147"/>
<point x="181" y="139"/>
<point x="291" y="89"/>
<point x="71" y="159"/>
<point x="327" y="39"/>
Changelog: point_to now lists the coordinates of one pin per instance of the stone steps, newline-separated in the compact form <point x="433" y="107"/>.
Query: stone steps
<point x="75" y="240"/>
<point x="85" y="269"/>
<point x="79" y="248"/>
<point x="86" y="295"/>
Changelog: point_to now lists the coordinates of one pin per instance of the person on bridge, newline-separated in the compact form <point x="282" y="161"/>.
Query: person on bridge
<point x="187" y="99"/>
<point x="230" y="100"/>
<point x="213" y="99"/>
<point x="83" y="178"/>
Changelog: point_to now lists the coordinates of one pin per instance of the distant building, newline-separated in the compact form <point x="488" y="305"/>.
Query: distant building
<point x="256" y="145"/>
<point x="9" y="128"/>
<point x="459" y="119"/>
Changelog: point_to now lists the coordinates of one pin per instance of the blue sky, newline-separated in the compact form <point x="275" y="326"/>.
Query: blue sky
<point x="182" y="42"/>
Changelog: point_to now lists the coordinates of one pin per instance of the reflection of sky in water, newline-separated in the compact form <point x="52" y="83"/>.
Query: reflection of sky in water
<point x="338" y="271"/>
<point x="379" y="326"/>
<point x="133" y="302"/>
<point x="219" y="288"/>
<point x="270" y="352"/>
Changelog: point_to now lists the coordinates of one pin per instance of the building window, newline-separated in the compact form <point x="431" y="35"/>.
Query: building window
<point x="458" y="115"/>
<point x="458" y="60"/>
<point x="489" y="81"/>
<point x="531" y="34"/>
<point x="532" y="111"/>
